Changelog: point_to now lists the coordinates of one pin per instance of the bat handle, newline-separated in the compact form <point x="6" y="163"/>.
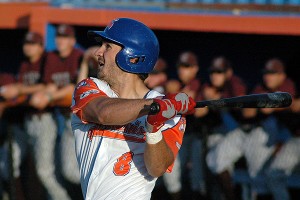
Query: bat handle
<point x="202" y="104"/>
<point x="155" y="108"/>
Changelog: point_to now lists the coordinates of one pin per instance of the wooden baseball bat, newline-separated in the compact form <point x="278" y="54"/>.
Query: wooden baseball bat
<point x="265" y="100"/>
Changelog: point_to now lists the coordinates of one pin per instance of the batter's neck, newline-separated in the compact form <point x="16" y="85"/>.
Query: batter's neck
<point x="131" y="89"/>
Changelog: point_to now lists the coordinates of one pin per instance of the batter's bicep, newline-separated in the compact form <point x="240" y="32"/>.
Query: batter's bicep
<point x="86" y="99"/>
<point x="91" y="112"/>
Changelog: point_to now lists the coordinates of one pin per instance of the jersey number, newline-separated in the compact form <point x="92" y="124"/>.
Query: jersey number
<point x="122" y="166"/>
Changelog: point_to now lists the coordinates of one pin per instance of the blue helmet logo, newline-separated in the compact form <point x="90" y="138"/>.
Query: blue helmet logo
<point x="140" y="45"/>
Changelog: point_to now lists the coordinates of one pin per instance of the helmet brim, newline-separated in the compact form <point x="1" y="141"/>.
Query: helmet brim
<point x="99" y="36"/>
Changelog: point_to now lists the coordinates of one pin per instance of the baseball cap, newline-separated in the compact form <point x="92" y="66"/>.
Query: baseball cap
<point x="187" y="59"/>
<point x="65" y="30"/>
<point x="33" y="37"/>
<point x="219" y="65"/>
<point x="274" y="66"/>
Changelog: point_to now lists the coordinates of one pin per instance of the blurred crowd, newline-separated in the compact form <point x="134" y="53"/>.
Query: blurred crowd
<point x="226" y="153"/>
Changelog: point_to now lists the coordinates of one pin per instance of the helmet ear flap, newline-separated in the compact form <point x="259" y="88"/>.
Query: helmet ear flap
<point x="130" y="61"/>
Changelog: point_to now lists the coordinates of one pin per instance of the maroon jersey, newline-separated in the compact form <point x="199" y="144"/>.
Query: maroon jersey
<point x="6" y="78"/>
<point x="30" y="73"/>
<point x="287" y="86"/>
<point x="62" y="71"/>
<point x="194" y="85"/>
<point x="234" y="87"/>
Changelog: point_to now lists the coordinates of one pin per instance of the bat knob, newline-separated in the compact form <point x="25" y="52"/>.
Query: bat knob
<point x="154" y="108"/>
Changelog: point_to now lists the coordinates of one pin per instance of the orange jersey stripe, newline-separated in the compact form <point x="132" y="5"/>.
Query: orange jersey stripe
<point x="113" y="135"/>
<point x="174" y="137"/>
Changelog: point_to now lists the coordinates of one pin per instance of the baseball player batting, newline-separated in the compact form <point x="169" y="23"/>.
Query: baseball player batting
<point x="120" y="149"/>
<point x="126" y="135"/>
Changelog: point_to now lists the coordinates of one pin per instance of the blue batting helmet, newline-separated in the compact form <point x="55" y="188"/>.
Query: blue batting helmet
<point x="140" y="45"/>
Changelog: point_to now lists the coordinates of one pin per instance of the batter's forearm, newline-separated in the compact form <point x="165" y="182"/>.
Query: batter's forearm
<point x="158" y="157"/>
<point x="115" y="111"/>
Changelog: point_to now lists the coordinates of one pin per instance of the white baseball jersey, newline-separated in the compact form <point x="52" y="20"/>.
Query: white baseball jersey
<point x="111" y="158"/>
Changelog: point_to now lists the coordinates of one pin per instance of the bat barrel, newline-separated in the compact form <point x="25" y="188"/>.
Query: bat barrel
<point x="276" y="100"/>
<point x="267" y="100"/>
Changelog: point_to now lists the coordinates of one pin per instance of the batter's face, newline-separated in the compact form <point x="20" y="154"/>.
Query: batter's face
<point x="108" y="68"/>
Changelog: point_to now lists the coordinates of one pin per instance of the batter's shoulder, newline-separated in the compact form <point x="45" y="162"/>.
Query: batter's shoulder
<point x="95" y="83"/>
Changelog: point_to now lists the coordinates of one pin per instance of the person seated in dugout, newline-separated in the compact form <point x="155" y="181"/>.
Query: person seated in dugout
<point x="187" y="70"/>
<point x="223" y="83"/>
<point x="274" y="79"/>
<point x="60" y="76"/>
<point x="260" y="142"/>
<point x="190" y="156"/>
<point x="18" y="99"/>
<point x="280" y="124"/>
<point x="213" y="125"/>
<point x="158" y="78"/>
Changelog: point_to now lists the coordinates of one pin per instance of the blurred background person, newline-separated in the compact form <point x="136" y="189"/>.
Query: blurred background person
<point x="278" y="123"/>
<point x="60" y="75"/>
<point x="29" y="81"/>
<point x="291" y="167"/>
<point x="6" y="165"/>
<point x="259" y="140"/>
<point x="214" y="124"/>
<point x="157" y="79"/>
<point x="283" y="173"/>
<point x="190" y="154"/>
